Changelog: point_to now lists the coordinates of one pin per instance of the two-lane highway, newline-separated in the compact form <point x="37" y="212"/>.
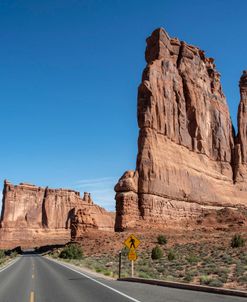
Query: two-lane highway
<point x="33" y="278"/>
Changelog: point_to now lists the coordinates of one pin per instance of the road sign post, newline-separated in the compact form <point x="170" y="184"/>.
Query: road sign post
<point x="132" y="243"/>
<point x="119" y="264"/>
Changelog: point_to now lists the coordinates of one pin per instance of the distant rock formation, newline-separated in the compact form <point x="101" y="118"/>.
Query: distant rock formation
<point x="33" y="215"/>
<point x="189" y="159"/>
<point x="91" y="217"/>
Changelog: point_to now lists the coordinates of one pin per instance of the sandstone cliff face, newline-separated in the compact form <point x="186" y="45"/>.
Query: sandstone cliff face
<point x="241" y="140"/>
<point x="34" y="215"/>
<point x="189" y="160"/>
<point x="91" y="217"/>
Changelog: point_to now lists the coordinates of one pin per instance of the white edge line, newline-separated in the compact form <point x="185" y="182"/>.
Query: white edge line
<point x="10" y="264"/>
<point x="96" y="281"/>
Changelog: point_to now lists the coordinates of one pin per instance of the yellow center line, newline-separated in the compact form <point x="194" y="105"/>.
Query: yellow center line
<point x="32" y="297"/>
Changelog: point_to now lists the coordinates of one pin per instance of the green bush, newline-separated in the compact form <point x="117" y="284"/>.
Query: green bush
<point x="157" y="253"/>
<point x="72" y="251"/>
<point x="2" y="254"/>
<point x="192" y="259"/>
<point x="143" y="275"/>
<point x="242" y="279"/>
<point x="237" y="241"/>
<point x="125" y="251"/>
<point x="13" y="254"/>
<point x="171" y="255"/>
<point x="205" y="280"/>
<point x="215" y="283"/>
<point x="162" y="239"/>
<point x="188" y="277"/>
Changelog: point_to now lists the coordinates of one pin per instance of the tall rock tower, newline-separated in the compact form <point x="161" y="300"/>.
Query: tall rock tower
<point x="188" y="160"/>
<point x="241" y="146"/>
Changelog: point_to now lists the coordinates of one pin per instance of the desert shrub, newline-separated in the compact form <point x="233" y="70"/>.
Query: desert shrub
<point x="143" y="275"/>
<point x="13" y="254"/>
<point x="55" y="254"/>
<point x="72" y="251"/>
<point x="125" y="251"/>
<point x="107" y="273"/>
<point x="215" y="283"/>
<point x="237" y="241"/>
<point x="205" y="280"/>
<point x="227" y="258"/>
<point x="188" y="277"/>
<point x="145" y="268"/>
<point x="242" y="279"/>
<point x="161" y="269"/>
<point x="171" y="255"/>
<point x="243" y="258"/>
<point x="157" y="253"/>
<point x="2" y="254"/>
<point x="240" y="269"/>
<point x="192" y="259"/>
<point x="162" y="239"/>
<point x="142" y="262"/>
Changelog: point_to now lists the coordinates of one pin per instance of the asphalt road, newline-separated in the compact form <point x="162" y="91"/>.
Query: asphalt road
<point x="32" y="278"/>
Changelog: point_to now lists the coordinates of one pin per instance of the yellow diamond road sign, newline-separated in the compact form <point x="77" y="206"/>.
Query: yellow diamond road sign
<point x="132" y="256"/>
<point x="132" y="242"/>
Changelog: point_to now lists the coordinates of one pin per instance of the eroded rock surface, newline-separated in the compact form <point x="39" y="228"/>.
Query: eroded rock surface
<point x="189" y="159"/>
<point x="33" y="215"/>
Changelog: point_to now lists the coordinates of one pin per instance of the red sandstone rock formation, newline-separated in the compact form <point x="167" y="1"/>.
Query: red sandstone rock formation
<point x="241" y="140"/>
<point x="91" y="217"/>
<point x="34" y="215"/>
<point x="189" y="160"/>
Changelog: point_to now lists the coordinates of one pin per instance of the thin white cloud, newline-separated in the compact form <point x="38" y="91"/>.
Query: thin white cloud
<point x="101" y="189"/>
<point x="105" y="199"/>
<point x="95" y="180"/>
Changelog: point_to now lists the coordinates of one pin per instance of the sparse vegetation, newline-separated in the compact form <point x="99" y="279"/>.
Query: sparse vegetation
<point x="157" y="253"/>
<point x="207" y="280"/>
<point x="192" y="259"/>
<point x="171" y="255"/>
<point x="162" y="239"/>
<point x="72" y="251"/>
<point x="188" y="277"/>
<point x="210" y="261"/>
<point x="2" y="254"/>
<point x="13" y="254"/>
<point x="5" y="256"/>
<point x="124" y="251"/>
<point x="237" y="241"/>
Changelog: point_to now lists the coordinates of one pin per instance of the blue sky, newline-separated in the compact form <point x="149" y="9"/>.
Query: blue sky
<point x="69" y="72"/>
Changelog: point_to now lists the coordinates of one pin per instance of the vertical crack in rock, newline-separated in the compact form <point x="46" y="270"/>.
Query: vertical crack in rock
<point x="44" y="214"/>
<point x="241" y="140"/>
<point x="3" y="201"/>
